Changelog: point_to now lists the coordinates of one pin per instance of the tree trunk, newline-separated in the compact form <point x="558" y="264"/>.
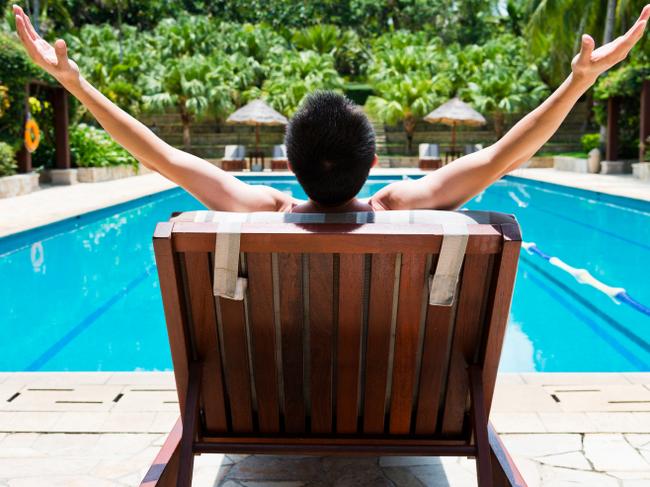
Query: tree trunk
<point x="499" y="124"/>
<point x="409" y="128"/>
<point x="610" y="21"/>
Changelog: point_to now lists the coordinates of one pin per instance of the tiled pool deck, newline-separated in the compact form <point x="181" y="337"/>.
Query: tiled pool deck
<point x="104" y="429"/>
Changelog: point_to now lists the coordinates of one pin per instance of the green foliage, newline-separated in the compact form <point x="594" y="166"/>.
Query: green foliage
<point x="350" y="54"/>
<point x="292" y="75"/>
<point x="92" y="147"/>
<point x="15" y="70"/>
<point x="7" y="160"/>
<point x="556" y="26"/>
<point x="626" y="83"/>
<point x="501" y="81"/>
<point x="590" y="142"/>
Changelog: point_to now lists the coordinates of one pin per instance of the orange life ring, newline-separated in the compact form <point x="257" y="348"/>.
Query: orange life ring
<point x="32" y="135"/>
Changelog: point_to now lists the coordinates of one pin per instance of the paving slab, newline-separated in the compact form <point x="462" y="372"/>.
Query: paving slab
<point x="116" y="447"/>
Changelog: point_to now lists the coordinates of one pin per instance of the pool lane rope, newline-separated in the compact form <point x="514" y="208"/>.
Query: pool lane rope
<point x="583" y="276"/>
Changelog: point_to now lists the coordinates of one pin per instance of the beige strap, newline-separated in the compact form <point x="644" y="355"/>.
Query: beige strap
<point x="452" y="252"/>
<point x="227" y="283"/>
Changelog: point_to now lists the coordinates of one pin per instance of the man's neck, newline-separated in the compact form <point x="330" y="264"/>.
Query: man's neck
<point x="351" y="206"/>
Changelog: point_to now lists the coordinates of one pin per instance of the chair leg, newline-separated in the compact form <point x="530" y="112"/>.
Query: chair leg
<point x="504" y="470"/>
<point x="190" y="422"/>
<point x="480" y="427"/>
<point x="164" y="470"/>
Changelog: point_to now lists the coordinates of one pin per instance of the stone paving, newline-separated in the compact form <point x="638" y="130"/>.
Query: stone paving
<point x="104" y="429"/>
<point x="624" y="185"/>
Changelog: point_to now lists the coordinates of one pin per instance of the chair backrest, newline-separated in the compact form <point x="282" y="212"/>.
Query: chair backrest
<point x="429" y="151"/>
<point x="280" y="151"/>
<point x="234" y="153"/>
<point x="357" y="324"/>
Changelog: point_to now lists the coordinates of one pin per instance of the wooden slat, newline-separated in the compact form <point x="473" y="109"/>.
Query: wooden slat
<point x="291" y="325"/>
<point x="434" y="367"/>
<point x="350" y="329"/>
<point x="170" y="289"/>
<point x="195" y="237"/>
<point x="409" y="309"/>
<point x="505" y="270"/>
<point x="236" y="364"/>
<point x="261" y="319"/>
<point x="467" y="334"/>
<point x="382" y="282"/>
<point x="204" y="321"/>
<point x="321" y="335"/>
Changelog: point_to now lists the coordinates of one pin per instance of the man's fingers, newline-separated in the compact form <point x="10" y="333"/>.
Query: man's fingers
<point x="61" y="52"/>
<point x="30" y="28"/>
<point x="586" y="48"/>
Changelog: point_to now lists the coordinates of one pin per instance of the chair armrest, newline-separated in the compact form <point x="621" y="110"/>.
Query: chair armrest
<point x="164" y="469"/>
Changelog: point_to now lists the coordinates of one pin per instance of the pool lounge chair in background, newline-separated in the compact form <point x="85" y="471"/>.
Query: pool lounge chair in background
<point x="279" y="161"/>
<point x="234" y="158"/>
<point x="429" y="156"/>
<point x="336" y="334"/>
<point x="471" y="148"/>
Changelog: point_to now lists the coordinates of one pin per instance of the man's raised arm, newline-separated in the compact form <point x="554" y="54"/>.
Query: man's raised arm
<point x="456" y="183"/>
<point x="215" y="188"/>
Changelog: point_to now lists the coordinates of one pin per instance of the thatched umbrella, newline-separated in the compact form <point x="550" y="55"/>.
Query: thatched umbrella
<point x="257" y="113"/>
<point x="455" y="112"/>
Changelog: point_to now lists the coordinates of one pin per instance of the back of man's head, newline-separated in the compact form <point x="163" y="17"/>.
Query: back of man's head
<point x="331" y="147"/>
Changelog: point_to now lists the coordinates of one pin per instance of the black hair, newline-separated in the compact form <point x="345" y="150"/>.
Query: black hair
<point x="330" y="146"/>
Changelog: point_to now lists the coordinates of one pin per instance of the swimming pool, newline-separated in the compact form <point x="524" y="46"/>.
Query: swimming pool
<point x="83" y="294"/>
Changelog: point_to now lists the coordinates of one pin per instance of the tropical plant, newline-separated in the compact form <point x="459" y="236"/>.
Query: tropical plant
<point x="196" y="86"/>
<point x="7" y="160"/>
<point x="503" y="81"/>
<point x="350" y="54"/>
<point x="405" y="100"/>
<point x="293" y="75"/>
<point x="556" y="26"/>
<point x="113" y="61"/>
<point x="590" y="142"/>
<point x="93" y="147"/>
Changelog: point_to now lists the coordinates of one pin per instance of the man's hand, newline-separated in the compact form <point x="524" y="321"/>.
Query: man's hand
<point x="55" y="59"/>
<point x="590" y="63"/>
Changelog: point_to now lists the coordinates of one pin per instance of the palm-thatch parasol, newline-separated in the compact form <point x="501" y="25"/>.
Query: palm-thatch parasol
<point x="257" y="113"/>
<point x="455" y="112"/>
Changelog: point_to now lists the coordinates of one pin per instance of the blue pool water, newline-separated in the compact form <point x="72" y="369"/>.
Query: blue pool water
<point x="83" y="294"/>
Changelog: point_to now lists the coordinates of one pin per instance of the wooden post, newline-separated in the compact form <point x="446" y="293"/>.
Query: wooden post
<point x="59" y="98"/>
<point x="613" y="108"/>
<point x="24" y="158"/>
<point x="644" y="119"/>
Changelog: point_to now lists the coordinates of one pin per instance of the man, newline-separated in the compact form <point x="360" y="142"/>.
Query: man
<point x="330" y="143"/>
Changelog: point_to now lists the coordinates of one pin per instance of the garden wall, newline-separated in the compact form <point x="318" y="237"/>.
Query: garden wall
<point x="209" y="136"/>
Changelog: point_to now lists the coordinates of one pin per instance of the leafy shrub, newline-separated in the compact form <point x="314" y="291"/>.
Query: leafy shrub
<point x="93" y="147"/>
<point x="15" y="70"/>
<point x="590" y="141"/>
<point x="7" y="160"/>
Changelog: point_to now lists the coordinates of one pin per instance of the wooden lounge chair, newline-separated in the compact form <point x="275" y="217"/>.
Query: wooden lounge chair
<point x="342" y="334"/>
<point x="429" y="156"/>
<point x="279" y="161"/>
<point x="234" y="158"/>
